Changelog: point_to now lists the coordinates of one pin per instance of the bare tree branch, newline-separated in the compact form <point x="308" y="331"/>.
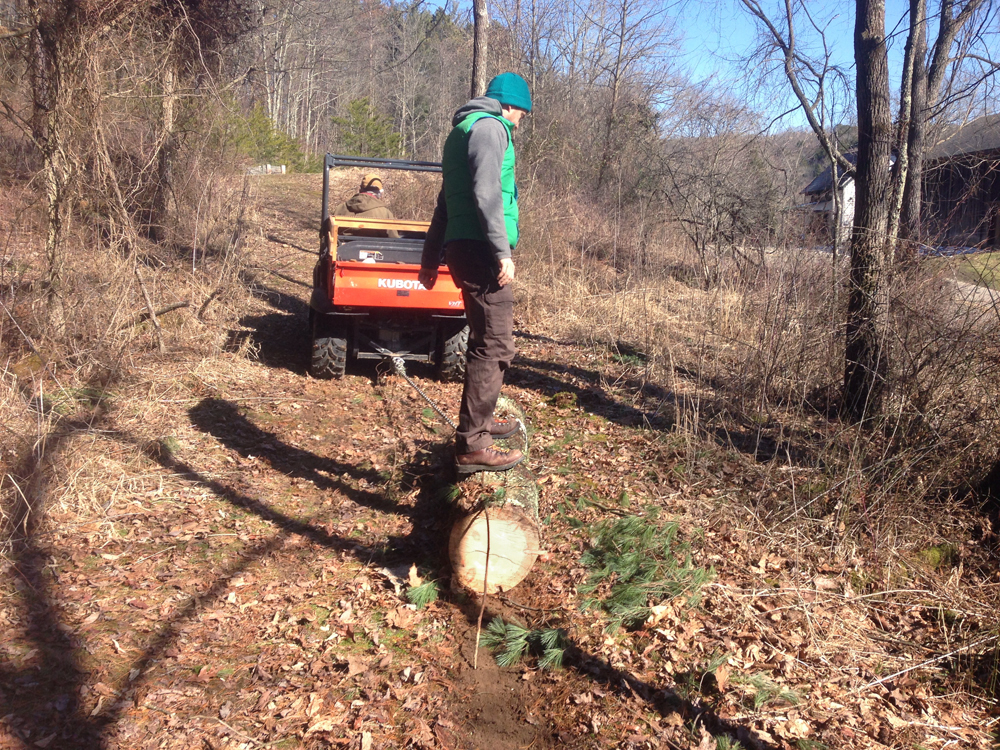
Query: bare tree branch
<point x="791" y="61"/>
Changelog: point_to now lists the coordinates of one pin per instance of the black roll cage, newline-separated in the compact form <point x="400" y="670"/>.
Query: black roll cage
<point x="339" y="160"/>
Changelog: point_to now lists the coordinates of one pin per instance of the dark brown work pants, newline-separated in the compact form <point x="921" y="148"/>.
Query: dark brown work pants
<point x="489" y="309"/>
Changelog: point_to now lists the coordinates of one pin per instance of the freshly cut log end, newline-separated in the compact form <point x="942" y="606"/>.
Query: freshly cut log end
<point x="508" y="508"/>
<point x="513" y="544"/>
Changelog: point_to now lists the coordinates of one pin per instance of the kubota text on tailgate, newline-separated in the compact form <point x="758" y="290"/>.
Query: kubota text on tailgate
<point x="400" y="284"/>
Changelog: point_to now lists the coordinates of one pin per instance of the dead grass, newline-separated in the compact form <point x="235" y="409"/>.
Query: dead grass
<point x="753" y="367"/>
<point x="824" y="531"/>
<point x="58" y="388"/>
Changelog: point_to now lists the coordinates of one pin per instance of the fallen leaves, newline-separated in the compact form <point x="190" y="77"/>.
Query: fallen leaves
<point x="260" y="584"/>
<point x="403" y="617"/>
<point x="823" y="583"/>
<point x="421" y="734"/>
<point x="328" y="723"/>
<point x="356" y="665"/>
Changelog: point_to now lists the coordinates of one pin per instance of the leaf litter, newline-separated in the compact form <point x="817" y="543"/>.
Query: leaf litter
<point x="227" y="567"/>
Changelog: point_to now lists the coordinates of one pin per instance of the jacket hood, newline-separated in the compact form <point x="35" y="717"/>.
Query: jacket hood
<point x="479" y="104"/>
<point x="362" y="202"/>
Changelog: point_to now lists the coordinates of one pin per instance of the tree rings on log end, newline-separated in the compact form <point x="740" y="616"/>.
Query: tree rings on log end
<point x="513" y="549"/>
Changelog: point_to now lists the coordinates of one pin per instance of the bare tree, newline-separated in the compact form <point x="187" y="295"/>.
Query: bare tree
<point x="634" y="37"/>
<point x="924" y="95"/>
<point x="481" y="20"/>
<point x="53" y="53"/>
<point x="866" y="352"/>
<point x="888" y="189"/>
<point x="713" y="180"/>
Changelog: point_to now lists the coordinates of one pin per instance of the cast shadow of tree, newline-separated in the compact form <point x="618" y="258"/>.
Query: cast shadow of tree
<point x="45" y="700"/>
<point x="280" y="339"/>
<point x="223" y="420"/>
<point x="550" y="378"/>
<point x="665" y="701"/>
<point x="312" y="224"/>
<point x="42" y="702"/>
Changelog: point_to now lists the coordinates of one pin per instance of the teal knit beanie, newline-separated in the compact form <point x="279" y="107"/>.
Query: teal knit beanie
<point x="510" y="89"/>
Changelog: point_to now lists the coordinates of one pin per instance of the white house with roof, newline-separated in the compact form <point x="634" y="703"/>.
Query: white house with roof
<point x="960" y="191"/>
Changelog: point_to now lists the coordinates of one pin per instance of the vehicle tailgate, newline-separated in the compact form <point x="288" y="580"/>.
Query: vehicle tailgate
<point x="358" y="284"/>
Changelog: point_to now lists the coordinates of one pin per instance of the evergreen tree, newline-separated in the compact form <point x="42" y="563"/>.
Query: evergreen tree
<point x="367" y="132"/>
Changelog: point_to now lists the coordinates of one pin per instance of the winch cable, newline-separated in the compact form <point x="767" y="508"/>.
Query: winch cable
<point x="400" y="367"/>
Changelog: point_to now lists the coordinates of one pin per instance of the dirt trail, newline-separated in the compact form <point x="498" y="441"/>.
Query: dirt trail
<point x="245" y="585"/>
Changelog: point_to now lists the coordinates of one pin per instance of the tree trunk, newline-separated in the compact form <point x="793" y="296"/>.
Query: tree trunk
<point x="481" y="20"/>
<point x="53" y="65"/>
<point x="163" y="189"/>
<point x="493" y="547"/>
<point x="927" y="82"/>
<point x="866" y="355"/>
<point x="909" y="217"/>
<point x="909" y="120"/>
<point x="609" y="122"/>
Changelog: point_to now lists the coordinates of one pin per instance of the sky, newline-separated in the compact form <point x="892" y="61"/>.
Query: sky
<point x="719" y="35"/>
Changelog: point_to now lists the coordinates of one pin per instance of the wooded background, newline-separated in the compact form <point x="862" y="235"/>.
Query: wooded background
<point x="136" y="121"/>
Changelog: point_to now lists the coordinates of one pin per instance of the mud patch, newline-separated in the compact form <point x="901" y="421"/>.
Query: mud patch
<point x="492" y="703"/>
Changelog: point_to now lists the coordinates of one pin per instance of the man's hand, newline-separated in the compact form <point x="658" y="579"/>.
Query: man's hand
<point x="506" y="272"/>
<point x="428" y="277"/>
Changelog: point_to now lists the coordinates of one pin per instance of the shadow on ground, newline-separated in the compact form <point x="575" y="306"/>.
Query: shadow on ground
<point x="223" y="420"/>
<point x="311" y="224"/>
<point x="42" y="703"/>
<point x="279" y="339"/>
<point x="550" y="378"/>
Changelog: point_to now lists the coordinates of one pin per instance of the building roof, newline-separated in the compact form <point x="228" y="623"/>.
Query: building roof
<point x="824" y="180"/>
<point x="982" y="134"/>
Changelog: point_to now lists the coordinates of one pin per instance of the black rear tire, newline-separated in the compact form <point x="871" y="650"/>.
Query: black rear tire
<point x="329" y="353"/>
<point x="451" y="362"/>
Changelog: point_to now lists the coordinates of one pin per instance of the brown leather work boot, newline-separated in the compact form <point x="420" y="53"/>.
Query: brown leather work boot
<point x="503" y="428"/>
<point x="487" y="459"/>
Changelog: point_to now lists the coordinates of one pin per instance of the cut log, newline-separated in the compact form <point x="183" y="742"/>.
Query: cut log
<point x="493" y="550"/>
<point x="493" y="547"/>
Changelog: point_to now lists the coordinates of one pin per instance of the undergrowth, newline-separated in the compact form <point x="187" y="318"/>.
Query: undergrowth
<point x="422" y="595"/>
<point x="511" y="643"/>
<point x="763" y="691"/>
<point x="634" y="561"/>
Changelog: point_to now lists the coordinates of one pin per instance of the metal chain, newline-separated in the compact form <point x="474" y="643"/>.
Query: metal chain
<point x="400" y="367"/>
<point x="397" y="363"/>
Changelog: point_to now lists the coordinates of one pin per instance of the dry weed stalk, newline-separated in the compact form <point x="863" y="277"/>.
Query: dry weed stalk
<point x="53" y="389"/>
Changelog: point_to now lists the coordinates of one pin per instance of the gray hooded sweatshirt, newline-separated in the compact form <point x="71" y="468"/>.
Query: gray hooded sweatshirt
<point x="487" y="145"/>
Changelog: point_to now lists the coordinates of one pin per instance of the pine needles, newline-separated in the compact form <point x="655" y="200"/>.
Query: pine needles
<point x="423" y="594"/>
<point x="633" y="562"/>
<point x="764" y="690"/>
<point x="511" y="643"/>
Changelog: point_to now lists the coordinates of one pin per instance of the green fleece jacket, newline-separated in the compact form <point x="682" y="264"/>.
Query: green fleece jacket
<point x="488" y="144"/>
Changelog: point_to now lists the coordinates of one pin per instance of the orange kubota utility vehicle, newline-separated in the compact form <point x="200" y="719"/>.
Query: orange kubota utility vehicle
<point x="367" y="302"/>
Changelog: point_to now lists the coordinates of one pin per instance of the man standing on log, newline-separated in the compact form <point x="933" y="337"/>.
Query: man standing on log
<point x="474" y="230"/>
